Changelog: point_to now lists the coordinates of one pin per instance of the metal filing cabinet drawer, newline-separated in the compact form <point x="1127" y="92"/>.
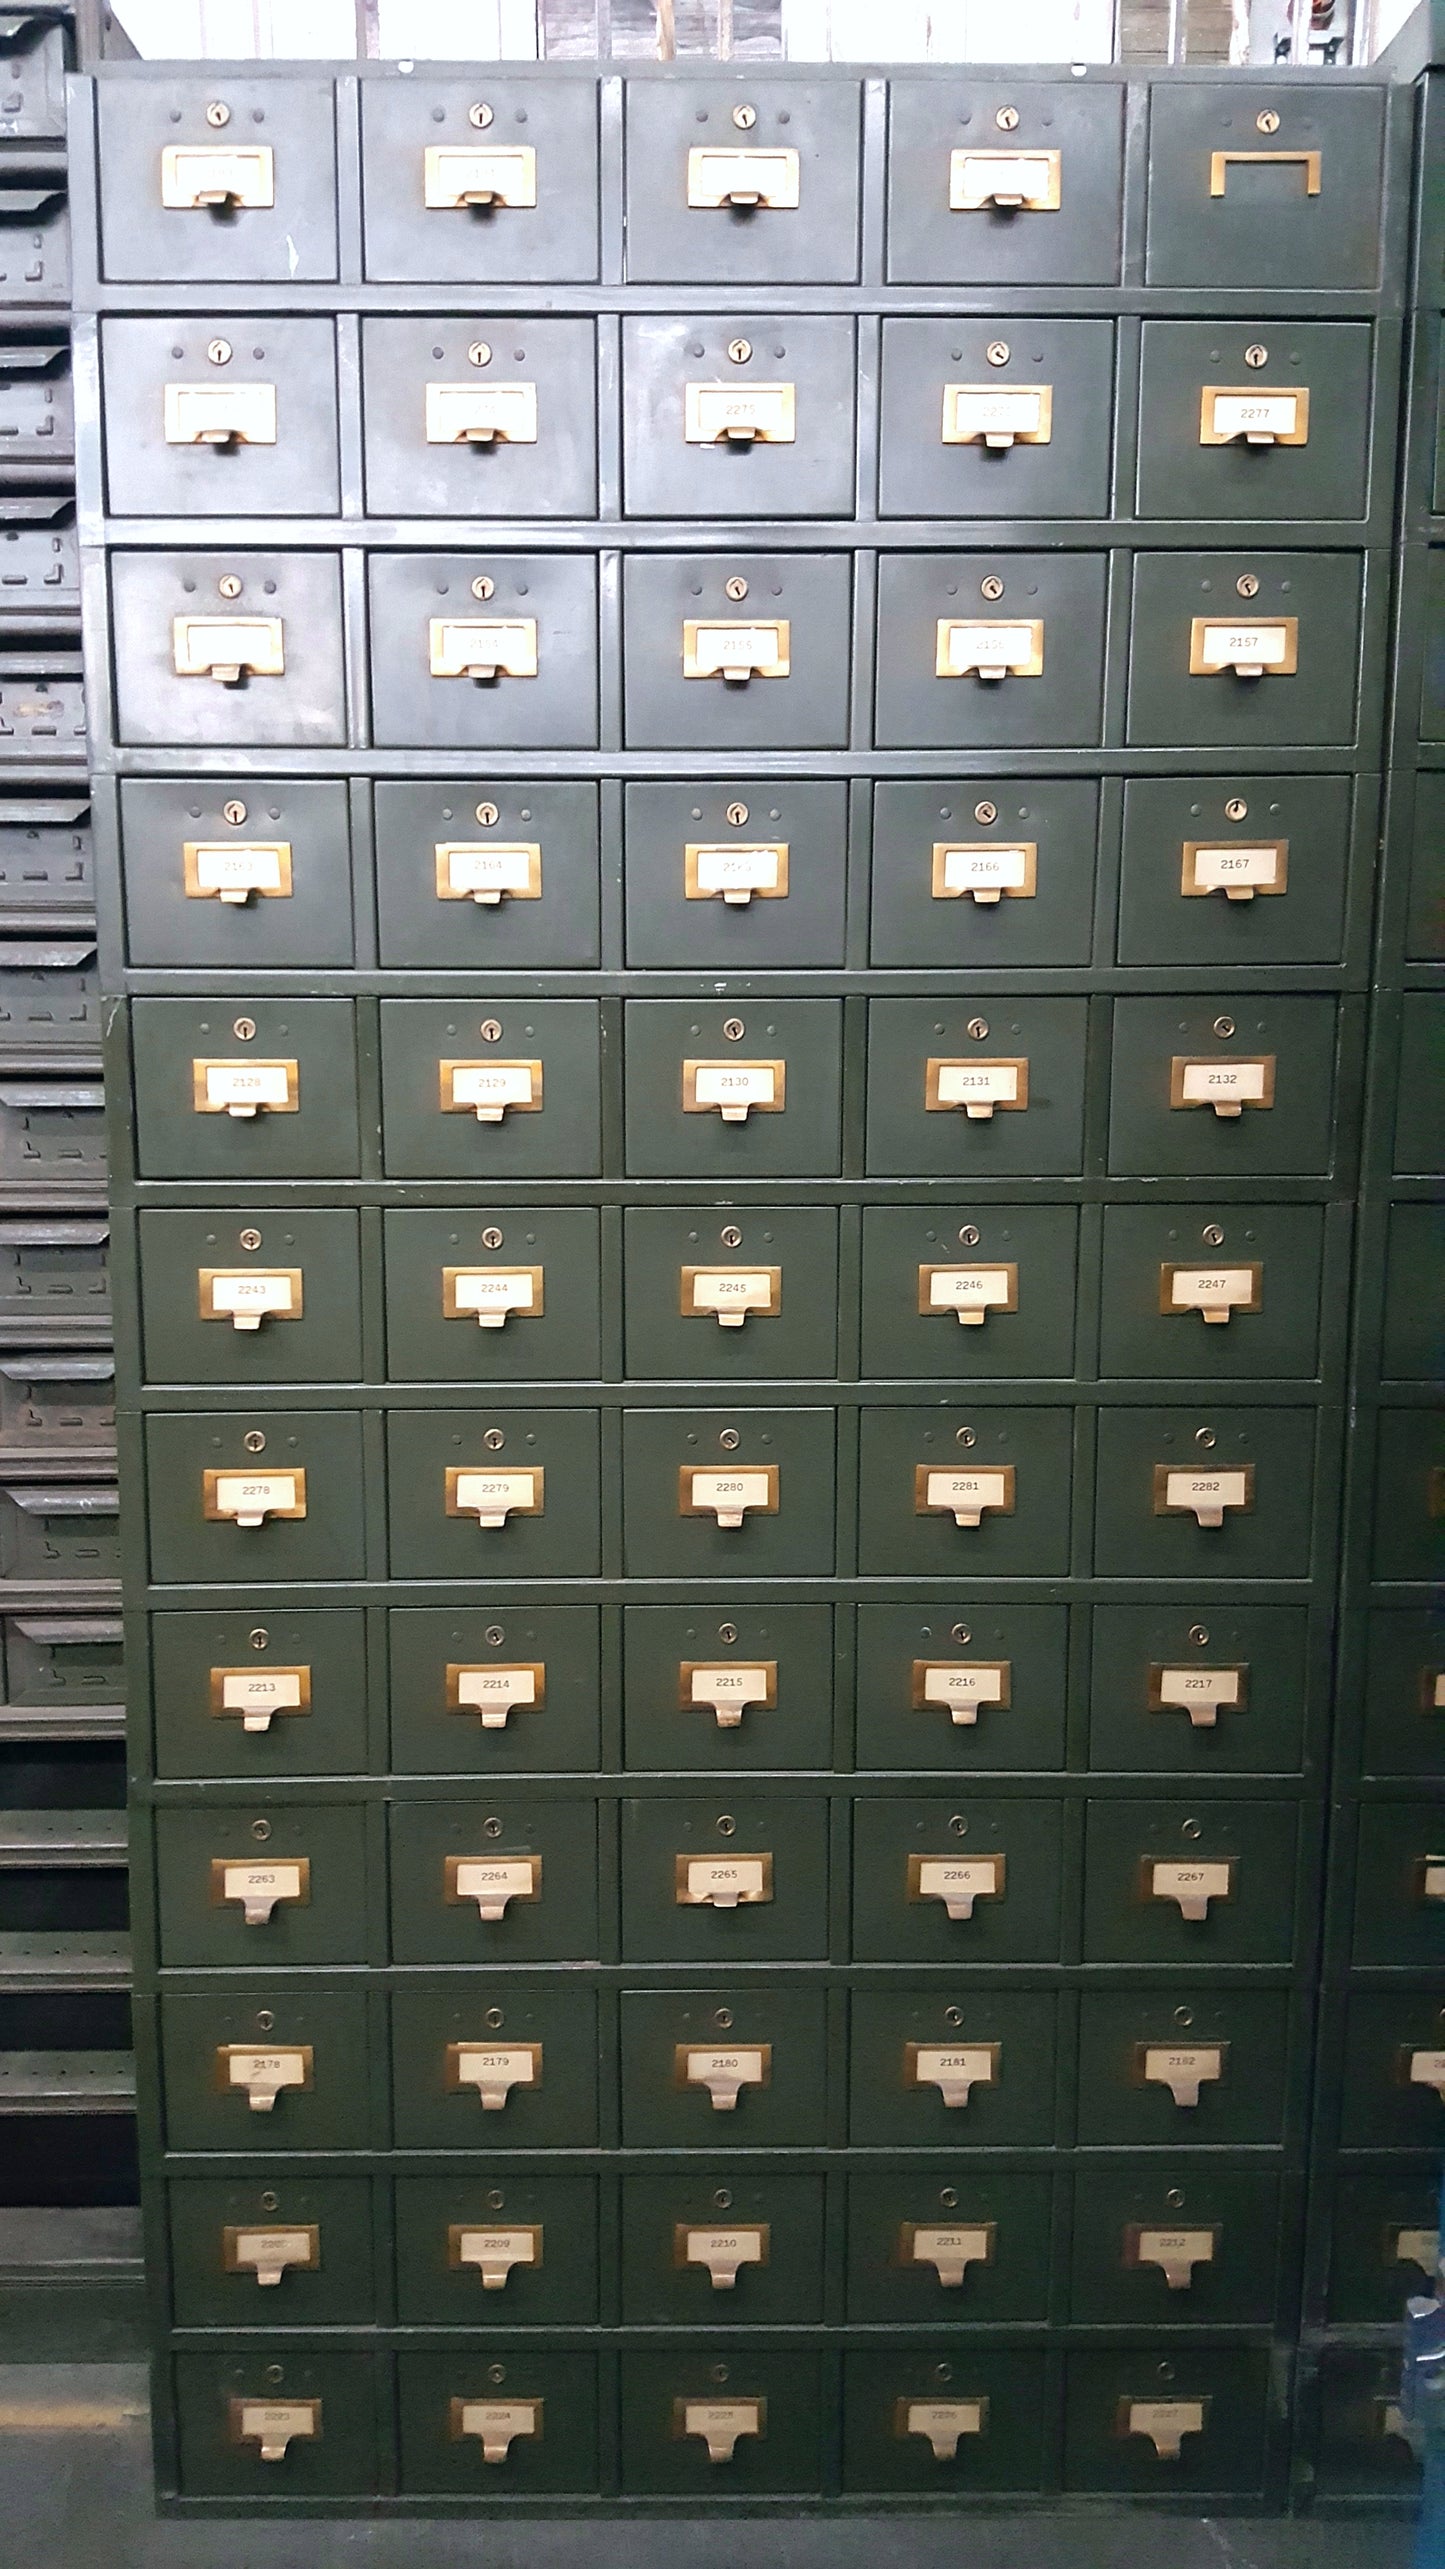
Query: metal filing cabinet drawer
<point x="489" y="2420"/>
<point x="747" y="1091"/>
<point x="1392" y="2094"/>
<point x="1004" y="181"/>
<point x="479" y="652"/>
<point x="738" y="415"/>
<point x="265" y="2068"/>
<point x="741" y="180"/>
<point x="293" y="2255"/>
<point x="1418" y="1134"/>
<point x="1207" y="875"/>
<point x="1414" y="1291"/>
<point x="1207" y="1290"/>
<point x="963" y="1496"/>
<point x="975" y="425"/>
<point x="1183" y="2246"/>
<point x="1004" y="1274"/>
<point x="242" y="1889"/>
<point x="1006" y="878"/>
<point x="984" y="651"/>
<point x="1176" y="1882"/>
<point x="505" y="1293"/>
<point x="933" y="2246"/>
<point x="283" y="1697"/>
<point x="934" y="2070"/>
<point x="968" y="1878"/>
<point x="1404" y="1691"/>
<point x="720" y="1494"/>
<point x="1400" y="1885"/>
<point x="724" y="1302"/>
<point x="731" y="2066"/>
<point x="483" y="1493"/>
<point x="728" y="1690"/>
<point x="489" y="178"/>
<point x="961" y="1686"/>
<point x="473" y="2254"/>
<point x="1363" y="2449"/>
<point x="1216" y="1493"/>
<point x="237" y="880"/>
<point x="264" y="1089"/>
<point x="209" y="416"/>
<point x="1180" y="1691"/>
<point x="222" y="648"/>
<point x="251" y="2427"/>
<point x="506" y="1881"/>
<point x="255" y="1496"/>
<point x="988" y="1088"/>
<point x="479" y="1691"/>
<point x="722" y="2244"/>
<point x="1254" y="419"/>
<point x="1409" y="1494"/>
<point x="1145" y="2424"/>
<point x="1265" y="186"/>
<point x="1240" y="1086"/>
<point x="737" y="651"/>
<point x="478" y="418"/>
<point x="1384" y="2244"/>
<point x="250" y="1296"/>
<point x="1163" y="2068"/>
<point x="208" y="182"/>
<point x="483" y="2062"/>
<point x="490" y="1090"/>
<point x="695" y="2427"/>
<point x="940" y="2419"/>
<point x="748" y="873"/>
<point x="1244" y="650"/>
<point x="487" y="875"/>
<point x="711" y="1887"/>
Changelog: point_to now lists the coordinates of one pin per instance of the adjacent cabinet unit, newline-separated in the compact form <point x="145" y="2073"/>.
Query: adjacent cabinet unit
<point x="739" y="730"/>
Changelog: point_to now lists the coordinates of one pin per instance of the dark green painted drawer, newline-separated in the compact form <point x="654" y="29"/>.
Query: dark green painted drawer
<point x="1160" y="2069"/>
<point x="728" y="1691"/>
<point x="1188" y="1693"/>
<point x="511" y="1879"/>
<point x="934" y="2070"/>
<point x="496" y="2421"/>
<point x="251" y="1295"/>
<point x="966" y="2243"/>
<point x="932" y="2420"/>
<point x="286" y="1697"/>
<point x="278" y="2252"/>
<point x="1001" y="878"/>
<point x="962" y="1686"/>
<point x="264" y="2425"/>
<point x="971" y="1878"/>
<point x="494" y="2250"/>
<point x="744" y="1884"/>
<point x="722" y="2246"/>
<point x="505" y="1691"/>
<point x="731" y="2067"/>
<point x="480" y="2062"/>
<point x="1186" y="2245"/>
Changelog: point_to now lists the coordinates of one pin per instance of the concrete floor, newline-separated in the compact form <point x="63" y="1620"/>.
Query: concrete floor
<point x="75" y="2494"/>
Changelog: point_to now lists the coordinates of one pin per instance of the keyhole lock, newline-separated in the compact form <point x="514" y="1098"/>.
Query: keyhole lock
<point x="737" y="813"/>
<point x="1236" y="809"/>
<point x="991" y="588"/>
<point x="729" y="1440"/>
<point x="491" y="1828"/>
<point x="1199" y="1635"/>
<point x="962" y="1632"/>
<point x="985" y="813"/>
<point x="1175" y="2198"/>
<point x="1205" y="1436"/>
<point x="219" y="352"/>
<point x="265" y="2020"/>
<point x="948" y="2197"/>
<point x="736" y="587"/>
<point x="727" y="1632"/>
<point x="487" y="815"/>
<point x="722" y="2199"/>
<point x="269" y="2201"/>
<point x="965" y="1436"/>
<point x="494" y="1440"/>
<point x="730" y="1236"/>
<point x="254" y="1441"/>
<point x="244" y="1029"/>
<point x="969" y="1236"/>
<point x="491" y="1237"/>
<point x="959" y="1825"/>
<point x="479" y="114"/>
<point x="1247" y="585"/>
<point x="1191" y="1829"/>
<point x="493" y="2019"/>
<point x="727" y="1826"/>
<point x="217" y="112"/>
<point x="496" y="2372"/>
<point x="722" y="2017"/>
<point x="259" y="1638"/>
<point x="978" y="1028"/>
<point x="734" y="1029"/>
<point x="1267" y="122"/>
<point x="745" y="118"/>
<point x="260" y="1831"/>
<point x="490" y="1030"/>
<point x="275" y="2374"/>
<point x="495" y="1636"/>
<point x="1224" y="1027"/>
<point x="250" y="1239"/>
<point x="229" y="584"/>
<point x="496" y="2200"/>
<point x="1007" y="119"/>
<point x="740" y="350"/>
<point x="1213" y="1235"/>
<point x="997" y="352"/>
<point x="1184" y="2016"/>
<point x="1256" y="354"/>
<point x="953" y="2015"/>
<point x="482" y="587"/>
<point x="479" y="353"/>
<point x="233" y="812"/>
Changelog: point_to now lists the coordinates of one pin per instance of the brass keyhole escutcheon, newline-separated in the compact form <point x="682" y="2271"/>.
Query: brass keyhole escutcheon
<point x="1183" y="2015"/>
<point x="496" y="2372"/>
<point x="265" y="2020"/>
<point x="1175" y="2198"/>
<point x="254" y="1441"/>
<point x="948" y="2197"/>
<point x="1191" y="1829"/>
<point x="269" y="2201"/>
<point x="496" y="2200"/>
<point x="959" y="1825"/>
<point x="219" y="352"/>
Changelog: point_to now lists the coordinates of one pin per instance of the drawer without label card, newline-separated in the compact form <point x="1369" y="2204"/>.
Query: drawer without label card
<point x="985" y="192"/>
<point x="1158" y="2068"/>
<point x="1193" y="1693"/>
<point x="288" y="1885"/>
<point x="931" y="2071"/>
<point x="722" y="1691"/>
<point x="1164" y="1883"/>
<point x="978" y="426"/>
<point x="759" y="188"/>
<point x="1409" y="1494"/>
<point x="1394" y="2097"/>
<point x="1007" y="880"/>
<point x="1228" y="1289"/>
<point x="1235" y="651"/>
<point x="979" y="1499"/>
<point x="227" y="1300"/>
<point x="1270" y="187"/>
<point x="747" y="416"/>
<point x="479" y="418"/>
<point x="1399" y="1885"/>
<point x="749" y="871"/>
<point x="1200" y="1090"/>
<point x="451" y="191"/>
<point x="502" y="1292"/>
<point x="1241" y="420"/>
<point x="212" y="205"/>
<point x="484" y="2062"/>
<point x="514" y="1881"/>
<point x="752" y="2053"/>
<point x="937" y="1881"/>
<point x="264" y="2067"/>
<point x="202" y="422"/>
<point x="487" y="874"/>
<point x="1404" y="1691"/>
<point x="956" y="669"/>
<point x="199" y="663"/>
<point x="749" y="650"/>
<point x="287" y="1697"/>
<point x="231" y="1499"/>
<point x="1230" y="1495"/>
<point x="496" y="1693"/>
